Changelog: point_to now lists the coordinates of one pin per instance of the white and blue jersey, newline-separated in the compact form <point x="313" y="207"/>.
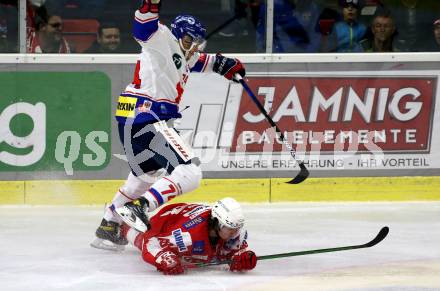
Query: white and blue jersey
<point x="161" y="73"/>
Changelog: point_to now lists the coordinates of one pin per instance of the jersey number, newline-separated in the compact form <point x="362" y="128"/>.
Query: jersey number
<point x="171" y="190"/>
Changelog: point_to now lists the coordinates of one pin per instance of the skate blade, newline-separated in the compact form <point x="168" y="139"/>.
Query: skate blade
<point x="131" y="220"/>
<point x="102" y="244"/>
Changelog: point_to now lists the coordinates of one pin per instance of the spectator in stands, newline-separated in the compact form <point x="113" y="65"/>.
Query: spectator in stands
<point x="8" y="26"/>
<point x="294" y="27"/>
<point x="433" y="44"/>
<point x="48" y="37"/>
<point x="35" y="13"/>
<point x="413" y="21"/>
<point x="383" y="31"/>
<point x="437" y="33"/>
<point x="348" y="32"/>
<point x="108" y="40"/>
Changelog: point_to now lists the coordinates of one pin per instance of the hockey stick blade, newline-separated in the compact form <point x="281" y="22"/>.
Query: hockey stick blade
<point x="379" y="237"/>
<point x="304" y="173"/>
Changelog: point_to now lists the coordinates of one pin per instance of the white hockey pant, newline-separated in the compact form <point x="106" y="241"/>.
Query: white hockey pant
<point x="184" y="179"/>
<point x="133" y="188"/>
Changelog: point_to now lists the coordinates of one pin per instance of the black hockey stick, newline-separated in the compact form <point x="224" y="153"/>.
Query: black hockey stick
<point x="379" y="237"/>
<point x="303" y="173"/>
<point x="221" y="26"/>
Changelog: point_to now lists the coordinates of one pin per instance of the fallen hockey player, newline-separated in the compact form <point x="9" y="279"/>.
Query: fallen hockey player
<point x="182" y="235"/>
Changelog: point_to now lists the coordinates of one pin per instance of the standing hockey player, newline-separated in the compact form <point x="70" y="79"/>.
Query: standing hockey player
<point x="145" y="113"/>
<point x="184" y="234"/>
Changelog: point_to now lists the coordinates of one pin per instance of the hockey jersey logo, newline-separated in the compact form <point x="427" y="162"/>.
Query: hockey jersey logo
<point x="182" y="239"/>
<point x="193" y="222"/>
<point x="198" y="247"/>
<point x="177" y="59"/>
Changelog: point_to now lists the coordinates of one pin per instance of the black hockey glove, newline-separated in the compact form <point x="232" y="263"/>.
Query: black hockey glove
<point x="228" y="67"/>
<point x="152" y="6"/>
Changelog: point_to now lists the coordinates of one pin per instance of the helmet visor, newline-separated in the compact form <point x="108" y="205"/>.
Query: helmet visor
<point x="191" y="43"/>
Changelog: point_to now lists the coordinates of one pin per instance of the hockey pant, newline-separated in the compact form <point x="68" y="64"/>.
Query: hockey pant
<point x="151" y="151"/>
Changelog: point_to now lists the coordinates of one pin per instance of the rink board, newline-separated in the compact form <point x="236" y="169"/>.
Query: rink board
<point x="86" y="192"/>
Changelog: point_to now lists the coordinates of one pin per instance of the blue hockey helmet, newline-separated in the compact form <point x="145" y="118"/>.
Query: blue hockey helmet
<point x="185" y="24"/>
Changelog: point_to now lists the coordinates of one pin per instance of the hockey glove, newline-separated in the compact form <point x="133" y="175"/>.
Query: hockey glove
<point x="168" y="263"/>
<point x="228" y="67"/>
<point x="243" y="261"/>
<point x="150" y="6"/>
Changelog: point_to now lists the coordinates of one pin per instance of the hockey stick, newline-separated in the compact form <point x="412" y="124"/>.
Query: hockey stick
<point x="379" y="237"/>
<point x="303" y="173"/>
<point x="221" y="26"/>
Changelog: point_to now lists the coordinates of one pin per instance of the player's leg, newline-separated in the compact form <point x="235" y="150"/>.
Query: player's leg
<point x="141" y="177"/>
<point x="185" y="175"/>
<point x="108" y="234"/>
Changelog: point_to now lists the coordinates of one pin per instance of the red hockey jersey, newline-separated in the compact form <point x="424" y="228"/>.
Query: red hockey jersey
<point x="183" y="229"/>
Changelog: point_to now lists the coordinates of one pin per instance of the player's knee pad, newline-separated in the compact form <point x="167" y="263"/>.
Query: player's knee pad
<point x="187" y="177"/>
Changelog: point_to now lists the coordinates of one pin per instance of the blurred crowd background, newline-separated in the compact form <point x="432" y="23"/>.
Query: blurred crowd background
<point x="234" y="26"/>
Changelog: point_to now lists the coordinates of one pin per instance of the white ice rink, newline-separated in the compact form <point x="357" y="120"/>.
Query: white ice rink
<point x="47" y="248"/>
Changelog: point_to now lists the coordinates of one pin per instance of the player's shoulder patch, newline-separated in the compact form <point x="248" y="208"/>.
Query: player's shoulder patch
<point x="198" y="210"/>
<point x="193" y="222"/>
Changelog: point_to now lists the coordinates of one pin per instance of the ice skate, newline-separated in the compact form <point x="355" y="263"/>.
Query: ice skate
<point x="135" y="214"/>
<point x="109" y="237"/>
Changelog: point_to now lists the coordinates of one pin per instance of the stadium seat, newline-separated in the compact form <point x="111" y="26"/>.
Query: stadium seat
<point x="81" y="33"/>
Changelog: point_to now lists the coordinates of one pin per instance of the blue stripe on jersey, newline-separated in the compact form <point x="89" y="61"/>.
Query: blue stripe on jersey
<point x="157" y="195"/>
<point x="145" y="107"/>
<point x="144" y="30"/>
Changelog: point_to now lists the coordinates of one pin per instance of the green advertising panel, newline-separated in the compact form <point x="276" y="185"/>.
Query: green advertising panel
<point x="54" y="121"/>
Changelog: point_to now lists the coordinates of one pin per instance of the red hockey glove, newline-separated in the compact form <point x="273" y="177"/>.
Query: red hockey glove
<point x="228" y="67"/>
<point x="243" y="261"/>
<point x="168" y="263"/>
<point x="150" y="6"/>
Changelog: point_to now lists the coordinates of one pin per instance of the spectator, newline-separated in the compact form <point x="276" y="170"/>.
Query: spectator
<point x="8" y="26"/>
<point x="48" y="37"/>
<point x="348" y="32"/>
<point x="294" y="28"/>
<point x="108" y="40"/>
<point x="383" y="30"/>
<point x="437" y="33"/>
<point x="35" y="13"/>
<point x="413" y="21"/>
<point x="434" y="43"/>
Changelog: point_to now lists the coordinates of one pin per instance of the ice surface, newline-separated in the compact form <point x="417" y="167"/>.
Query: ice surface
<point x="47" y="248"/>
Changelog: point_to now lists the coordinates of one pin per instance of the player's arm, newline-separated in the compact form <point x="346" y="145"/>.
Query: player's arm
<point x="243" y="260"/>
<point x="237" y="250"/>
<point x="227" y="67"/>
<point x="146" y="20"/>
<point x="159" y="253"/>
